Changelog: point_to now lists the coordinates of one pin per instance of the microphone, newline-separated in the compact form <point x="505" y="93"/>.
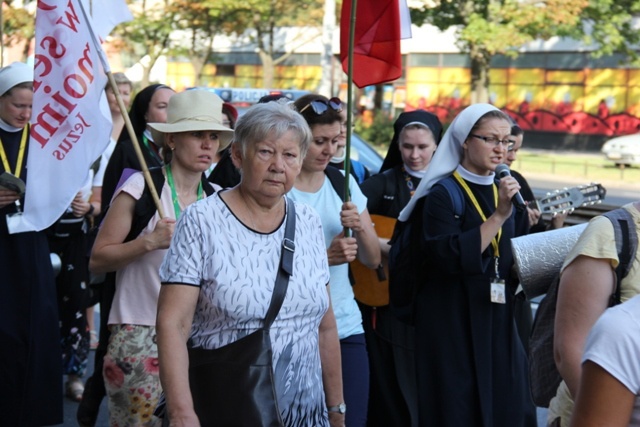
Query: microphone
<point x="503" y="170"/>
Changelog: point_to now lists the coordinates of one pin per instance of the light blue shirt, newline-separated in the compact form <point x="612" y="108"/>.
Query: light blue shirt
<point x="328" y="205"/>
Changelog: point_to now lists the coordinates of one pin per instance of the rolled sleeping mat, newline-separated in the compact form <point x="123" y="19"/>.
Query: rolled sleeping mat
<point x="539" y="256"/>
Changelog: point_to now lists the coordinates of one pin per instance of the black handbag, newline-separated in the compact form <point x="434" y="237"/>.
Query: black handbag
<point x="233" y="385"/>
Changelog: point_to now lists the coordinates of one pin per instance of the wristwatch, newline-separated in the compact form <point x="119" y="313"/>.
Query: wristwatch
<point x="340" y="408"/>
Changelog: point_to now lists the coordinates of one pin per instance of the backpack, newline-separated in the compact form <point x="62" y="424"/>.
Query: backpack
<point x="405" y="254"/>
<point x="144" y="210"/>
<point x="336" y="178"/>
<point x="543" y="373"/>
<point x="359" y="171"/>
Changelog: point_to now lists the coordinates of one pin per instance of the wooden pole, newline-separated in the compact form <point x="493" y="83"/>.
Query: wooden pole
<point x="123" y="110"/>
<point x="136" y="144"/>
<point x="1" y="35"/>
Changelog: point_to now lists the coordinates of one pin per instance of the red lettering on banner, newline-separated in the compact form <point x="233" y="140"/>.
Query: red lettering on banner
<point x="71" y="138"/>
<point x="55" y="50"/>
<point x="51" y="45"/>
<point x="62" y="105"/>
<point x="72" y="18"/>
<point x="42" y="5"/>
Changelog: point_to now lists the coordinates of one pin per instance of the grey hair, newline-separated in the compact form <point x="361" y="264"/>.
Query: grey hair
<point x="272" y="119"/>
<point x="120" y="79"/>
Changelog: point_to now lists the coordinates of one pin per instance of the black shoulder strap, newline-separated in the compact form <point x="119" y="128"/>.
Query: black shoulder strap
<point x="455" y="193"/>
<point x="206" y="185"/>
<point x="337" y="180"/>
<point x="626" y="238"/>
<point x="145" y="208"/>
<point x="286" y="265"/>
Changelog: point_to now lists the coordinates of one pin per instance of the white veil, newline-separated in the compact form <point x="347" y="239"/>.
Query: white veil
<point x="449" y="152"/>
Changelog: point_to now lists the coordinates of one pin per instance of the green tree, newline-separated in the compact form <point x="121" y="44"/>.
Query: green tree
<point x="489" y="27"/>
<point x="200" y="22"/>
<point x="147" y="36"/>
<point x="18" y="24"/>
<point x="263" y="19"/>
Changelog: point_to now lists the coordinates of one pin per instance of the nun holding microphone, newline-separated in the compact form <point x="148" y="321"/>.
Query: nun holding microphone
<point x="471" y="365"/>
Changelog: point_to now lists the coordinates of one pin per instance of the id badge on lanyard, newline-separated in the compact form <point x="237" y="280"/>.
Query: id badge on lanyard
<point x="14" y="219"/>
<point x="498" y="288"/>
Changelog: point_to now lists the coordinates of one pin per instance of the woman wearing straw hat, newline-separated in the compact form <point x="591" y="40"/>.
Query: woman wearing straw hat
<point x="191" y="136"/>
<point x="30" y="356"/>
<point x="470" y="362"/>
<point x="149" y="105"/>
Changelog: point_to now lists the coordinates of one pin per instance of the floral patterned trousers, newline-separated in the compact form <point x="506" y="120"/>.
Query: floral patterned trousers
<point x="131" y="376"/>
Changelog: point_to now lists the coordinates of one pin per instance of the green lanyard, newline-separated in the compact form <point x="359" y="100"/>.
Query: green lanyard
<point x="496" y="240"/>
<point x="174" y="194"/>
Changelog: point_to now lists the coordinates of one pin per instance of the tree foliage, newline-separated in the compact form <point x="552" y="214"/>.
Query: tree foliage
<point x="147" y="36"/>
<point x="200" y="22"/>
<point x="264" y="17"/>
<point x="485" y="28"/>
<point x="18" y="24"/>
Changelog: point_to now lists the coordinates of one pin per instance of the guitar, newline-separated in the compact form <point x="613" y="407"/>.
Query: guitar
<point x="371" y="286"/>
<point x="568" y="199"/>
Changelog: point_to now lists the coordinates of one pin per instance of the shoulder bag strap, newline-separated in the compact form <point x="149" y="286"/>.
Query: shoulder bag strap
<point x="626" y="244"/>
<point x="286" y="265"/>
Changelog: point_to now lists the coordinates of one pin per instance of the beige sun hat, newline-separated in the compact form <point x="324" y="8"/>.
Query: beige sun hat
<point x="193" y="110"/>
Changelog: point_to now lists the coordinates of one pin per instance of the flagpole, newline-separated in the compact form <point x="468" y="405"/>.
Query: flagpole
<point x="347" y="147"/>
<point x="127" y="121"/>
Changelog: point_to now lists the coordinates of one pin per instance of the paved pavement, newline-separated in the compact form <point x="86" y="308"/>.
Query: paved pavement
<point x="70" y="407"/>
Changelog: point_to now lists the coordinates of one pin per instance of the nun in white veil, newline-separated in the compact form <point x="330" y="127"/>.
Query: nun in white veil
<point x="471" y="364"/>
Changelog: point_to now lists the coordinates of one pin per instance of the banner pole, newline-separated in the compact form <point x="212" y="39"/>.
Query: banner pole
<point x="1" y="37"/>
<point x="136" y="145"/>
<point x="127" y="122"/>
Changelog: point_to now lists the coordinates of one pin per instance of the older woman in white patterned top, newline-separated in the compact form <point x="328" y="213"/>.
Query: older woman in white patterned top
<point x="220" y="271"/>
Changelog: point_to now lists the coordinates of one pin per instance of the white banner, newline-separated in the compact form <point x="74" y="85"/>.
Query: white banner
<point x="107" y="14"/>
<point x="71" y="123"/>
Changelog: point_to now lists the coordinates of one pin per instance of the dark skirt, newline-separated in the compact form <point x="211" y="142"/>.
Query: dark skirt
<point x="30" y="356"/>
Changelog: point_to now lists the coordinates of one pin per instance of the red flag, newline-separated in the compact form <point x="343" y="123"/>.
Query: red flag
<point x="376" y="51"/>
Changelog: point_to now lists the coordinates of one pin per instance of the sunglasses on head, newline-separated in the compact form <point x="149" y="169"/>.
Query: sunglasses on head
<point x="320" y="107"/>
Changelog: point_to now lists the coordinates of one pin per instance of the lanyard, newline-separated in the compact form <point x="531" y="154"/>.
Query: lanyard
<point x="496" y="239"/>
<point x="155" y="155"/>
<point x="174" y="194"/>
<point x="5" y="160"/>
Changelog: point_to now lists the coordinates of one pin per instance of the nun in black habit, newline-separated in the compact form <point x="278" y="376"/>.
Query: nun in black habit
<point x="30" y="352"/>
<point x="393" y="399"/>
<point x="471" y="365"/>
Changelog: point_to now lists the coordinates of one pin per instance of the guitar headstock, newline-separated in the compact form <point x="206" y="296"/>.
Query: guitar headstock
<point x="568" y="199"/>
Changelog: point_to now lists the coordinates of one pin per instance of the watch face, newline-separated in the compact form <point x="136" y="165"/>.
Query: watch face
<point x="342" y="408"/>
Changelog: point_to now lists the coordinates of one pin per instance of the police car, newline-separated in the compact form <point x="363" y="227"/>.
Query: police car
<point x="244" y="97"/>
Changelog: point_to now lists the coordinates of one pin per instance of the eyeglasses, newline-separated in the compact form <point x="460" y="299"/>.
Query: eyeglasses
<point x="320" y="107"/>
<point x="492" y="140"/>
